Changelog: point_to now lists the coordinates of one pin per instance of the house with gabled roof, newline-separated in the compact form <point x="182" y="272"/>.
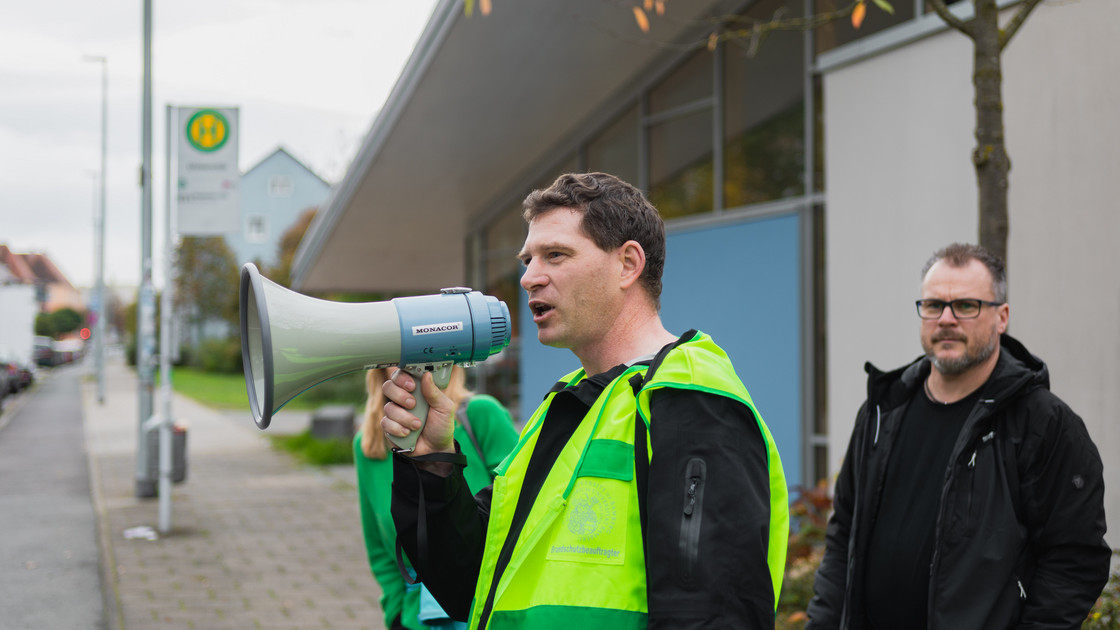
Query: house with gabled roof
<point x="274" y="193"/>
<point x="52" y="289"/>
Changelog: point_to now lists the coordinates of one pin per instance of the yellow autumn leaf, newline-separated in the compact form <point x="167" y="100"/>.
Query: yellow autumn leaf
<point x="641" y="19"/>
<point x="858" y="14"/>
<point x="660" y="7"/>
<point x="648" y="5"/>
<point x="484" y="6"/>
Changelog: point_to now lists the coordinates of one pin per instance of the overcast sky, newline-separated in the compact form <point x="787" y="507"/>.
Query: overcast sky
<point x="307" y="75"/>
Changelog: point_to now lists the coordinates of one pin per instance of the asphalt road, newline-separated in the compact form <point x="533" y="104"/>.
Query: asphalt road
<point x="50" y="573"/>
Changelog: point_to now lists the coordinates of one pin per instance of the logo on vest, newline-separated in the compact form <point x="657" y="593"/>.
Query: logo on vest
<point x="590" y="512"/>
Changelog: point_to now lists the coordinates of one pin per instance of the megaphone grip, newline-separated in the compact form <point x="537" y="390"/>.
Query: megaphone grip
<point x="441" y="374"/>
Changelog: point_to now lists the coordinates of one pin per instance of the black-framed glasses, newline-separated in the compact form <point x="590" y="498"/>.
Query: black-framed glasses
<point x="967" y="308"/>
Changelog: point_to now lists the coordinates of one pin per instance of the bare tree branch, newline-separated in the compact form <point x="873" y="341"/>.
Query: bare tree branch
<point x="1017" y="20"/>
<point x="742" y="26"/>
<point x="945" y="14"/>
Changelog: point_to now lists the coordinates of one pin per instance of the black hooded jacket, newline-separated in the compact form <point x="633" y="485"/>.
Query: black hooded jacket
<point x="1019" y="539"/>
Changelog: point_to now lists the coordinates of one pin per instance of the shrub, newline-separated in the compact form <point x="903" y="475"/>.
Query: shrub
<point x="218" y="355"/>
<point x="315" y="451"/>
<point x="808" y="521"/>
<point x="1105" y="614"/>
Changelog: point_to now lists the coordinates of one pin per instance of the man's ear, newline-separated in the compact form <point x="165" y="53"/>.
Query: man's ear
<point x="1003" y="312"/>
<point x="633" y="259"/>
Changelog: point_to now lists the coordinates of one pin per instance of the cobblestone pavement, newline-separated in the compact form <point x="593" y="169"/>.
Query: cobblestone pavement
<point x="257" y="539"/>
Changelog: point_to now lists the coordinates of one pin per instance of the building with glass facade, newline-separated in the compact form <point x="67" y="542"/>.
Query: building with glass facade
<point x="805" y="176"/>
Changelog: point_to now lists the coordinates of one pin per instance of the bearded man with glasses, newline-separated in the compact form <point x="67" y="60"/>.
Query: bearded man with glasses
<point x="970" y="495"/>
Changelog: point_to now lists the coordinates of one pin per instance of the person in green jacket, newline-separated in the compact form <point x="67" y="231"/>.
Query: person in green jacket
<point x="484" y="428"/>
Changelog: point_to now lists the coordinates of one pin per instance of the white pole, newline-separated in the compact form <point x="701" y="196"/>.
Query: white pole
<point x="99" y="233"/>
<point x="146" y="313"/>
<point x="165" y="457"/>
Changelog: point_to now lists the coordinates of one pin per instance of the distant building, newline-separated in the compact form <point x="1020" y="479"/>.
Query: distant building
<point x="273" y="195"/>
<point x="52" y="290"/>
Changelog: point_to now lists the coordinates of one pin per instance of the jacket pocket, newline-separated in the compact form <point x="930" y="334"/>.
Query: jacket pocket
<point x="688" y="551"/>
<point x="595" y="518"/>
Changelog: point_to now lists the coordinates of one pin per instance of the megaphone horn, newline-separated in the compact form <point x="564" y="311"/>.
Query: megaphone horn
<point x="291" y="342"/>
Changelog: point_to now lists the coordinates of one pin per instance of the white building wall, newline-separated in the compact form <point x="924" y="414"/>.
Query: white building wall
<point x="900" y="184"/>
<point x="18" y="309"/>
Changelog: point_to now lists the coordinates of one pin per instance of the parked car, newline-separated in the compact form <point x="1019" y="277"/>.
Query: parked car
<point x="43" y="351"/>
<point x="5" y="383"/>
<point x="25" y="375"/>
<point x="9" y="377"/>
<point x="67" y="350"/>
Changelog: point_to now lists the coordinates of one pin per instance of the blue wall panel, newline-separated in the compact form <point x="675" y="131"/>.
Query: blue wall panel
<point x="739" y="283"/>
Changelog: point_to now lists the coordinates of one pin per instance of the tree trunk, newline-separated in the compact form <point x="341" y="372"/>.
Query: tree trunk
<point x="990" y="155"/>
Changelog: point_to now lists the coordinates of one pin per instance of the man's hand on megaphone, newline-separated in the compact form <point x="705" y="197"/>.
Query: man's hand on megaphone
<point x="438" y="435"/>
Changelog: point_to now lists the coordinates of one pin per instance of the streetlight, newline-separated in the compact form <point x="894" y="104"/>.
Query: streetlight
<point x="99" y="232"/>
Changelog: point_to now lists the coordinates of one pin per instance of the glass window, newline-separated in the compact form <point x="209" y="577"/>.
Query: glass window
<point x="501" y="375"/>
<point x="502" y="239"/>
<point x="818" y="134"/>
<point x="764" y="115"/>
<point x="820" y="464"/>
<point x="256" y="228"/>
<point x="840" y="31"/>
<point x="680" y="165"/>
<point x="280" y="186"/>
<point x="615" y="149"/>
<point x="506" y="233"/>
<point x="928" y="9"/>
<point x="691" y="82"/>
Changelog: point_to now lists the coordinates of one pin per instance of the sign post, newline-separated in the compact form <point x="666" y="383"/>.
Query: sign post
<point x="207" y="203"/>
<point x="209" y="181"/>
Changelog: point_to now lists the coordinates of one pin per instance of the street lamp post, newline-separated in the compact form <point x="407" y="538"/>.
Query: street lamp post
<point x="99" y="233"/>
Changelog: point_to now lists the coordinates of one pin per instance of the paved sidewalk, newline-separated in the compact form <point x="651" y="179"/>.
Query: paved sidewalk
<point x="257" y="539"/>
<point x="50" y="567"/>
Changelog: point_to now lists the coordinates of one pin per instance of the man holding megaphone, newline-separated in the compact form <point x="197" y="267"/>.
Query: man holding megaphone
<point x="645" y="491"/>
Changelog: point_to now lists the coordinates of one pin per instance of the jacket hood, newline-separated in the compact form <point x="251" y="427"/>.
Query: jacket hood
<point x="1016" y="368"/>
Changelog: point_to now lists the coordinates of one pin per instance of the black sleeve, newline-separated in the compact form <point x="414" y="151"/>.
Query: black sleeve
<point x="709" y="514"/>
<point x="831" y="581"/>
<point x="1063" y="491"/>
<point x="456" y="532"/>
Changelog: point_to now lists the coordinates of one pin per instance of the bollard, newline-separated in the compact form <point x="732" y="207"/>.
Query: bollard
<point x="333" y="422"/>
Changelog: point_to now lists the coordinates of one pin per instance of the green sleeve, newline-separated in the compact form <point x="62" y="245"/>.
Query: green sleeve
<point x="374" y="485"/>
<point x="493" y="426"/>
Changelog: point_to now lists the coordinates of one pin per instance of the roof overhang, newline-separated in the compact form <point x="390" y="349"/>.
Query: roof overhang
<point x="481" y="102"/>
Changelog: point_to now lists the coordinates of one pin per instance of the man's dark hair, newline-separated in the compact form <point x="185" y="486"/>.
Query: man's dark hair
<point x="613" y="212"/>
<point x="960" y="254"/>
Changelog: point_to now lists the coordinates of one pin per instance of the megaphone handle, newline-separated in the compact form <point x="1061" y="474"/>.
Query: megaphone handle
<point x="442" y="376"/>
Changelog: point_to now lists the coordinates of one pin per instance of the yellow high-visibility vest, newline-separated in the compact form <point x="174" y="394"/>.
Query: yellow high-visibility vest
<point x="578" y="562"/>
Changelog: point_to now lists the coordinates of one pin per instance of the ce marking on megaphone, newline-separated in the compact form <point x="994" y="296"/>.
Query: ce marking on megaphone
<point x="429" y="350"/>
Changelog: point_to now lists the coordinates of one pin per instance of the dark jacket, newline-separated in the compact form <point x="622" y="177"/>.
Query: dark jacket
<point x="1019" y="539"/>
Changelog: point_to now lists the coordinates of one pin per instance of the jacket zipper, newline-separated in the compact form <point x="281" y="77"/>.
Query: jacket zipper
<point x="689" y="547"/>
<point x="986" y="407"/>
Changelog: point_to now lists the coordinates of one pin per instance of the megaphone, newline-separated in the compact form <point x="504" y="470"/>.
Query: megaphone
<point x="291" y="342"/>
